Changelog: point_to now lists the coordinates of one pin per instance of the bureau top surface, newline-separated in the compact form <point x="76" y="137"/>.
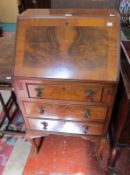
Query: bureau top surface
<point x="75" y="13"/>
<point x="68" y="44"/>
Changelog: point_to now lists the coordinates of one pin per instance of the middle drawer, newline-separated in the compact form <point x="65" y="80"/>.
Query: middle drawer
<point x="75" y="112"/>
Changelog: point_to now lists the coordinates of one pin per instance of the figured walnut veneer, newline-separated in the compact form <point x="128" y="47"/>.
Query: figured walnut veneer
<point x="66" y="70"/>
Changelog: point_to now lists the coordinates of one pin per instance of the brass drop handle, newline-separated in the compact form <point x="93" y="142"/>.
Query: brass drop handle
<point x="41" y="109"/>
<point x="39" y="91"/>
<point x="89" y="94"/>
<point x="45" y="124"/>
<point x="86" y="128"/>
<point x="87" y="113"/>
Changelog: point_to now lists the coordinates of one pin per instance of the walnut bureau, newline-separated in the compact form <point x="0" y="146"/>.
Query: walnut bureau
<point x="66" y="70"/>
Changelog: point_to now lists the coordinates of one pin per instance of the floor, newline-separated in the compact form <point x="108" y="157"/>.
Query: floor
<point x="18" y="157"/>
<point x="72" y="156"/>
<point x="65" y="156"/>
<point x="58" y="155"/>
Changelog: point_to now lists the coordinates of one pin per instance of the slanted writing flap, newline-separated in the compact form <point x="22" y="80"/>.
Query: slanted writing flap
<point x="68" y="48"/>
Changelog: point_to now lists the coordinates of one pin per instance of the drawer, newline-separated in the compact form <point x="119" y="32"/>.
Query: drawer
<point x="65" y="111"/>
<point x="60" y="126"/>
<point x="60" y="92"/>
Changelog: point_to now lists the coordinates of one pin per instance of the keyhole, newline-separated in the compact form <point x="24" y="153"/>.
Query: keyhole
<point x="66" y="23"/>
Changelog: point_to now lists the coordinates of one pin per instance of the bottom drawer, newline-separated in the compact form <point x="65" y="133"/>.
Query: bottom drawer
<point x="65" y="127"/>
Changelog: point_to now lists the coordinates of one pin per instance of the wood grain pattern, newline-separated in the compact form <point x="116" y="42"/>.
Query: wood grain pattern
<point x="66" y="70"/>
<point x="63" y="46"/>
<point x="65" y="127"/>
<point x="66" y="111"/>
<point x="79" y="47"/>
<point x="65" y="92"/>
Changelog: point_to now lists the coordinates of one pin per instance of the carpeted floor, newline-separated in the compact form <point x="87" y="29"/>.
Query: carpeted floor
<point x="7" y="143"/>
<point x="62" y="155"/>
<point x="58" y="155"/>
<point x="6" y="147"/>
<point x="18" y="157"/>
<point x="72" y="156"/>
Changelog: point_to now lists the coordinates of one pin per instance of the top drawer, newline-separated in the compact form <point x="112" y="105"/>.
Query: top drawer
<point x="65" y="92"/>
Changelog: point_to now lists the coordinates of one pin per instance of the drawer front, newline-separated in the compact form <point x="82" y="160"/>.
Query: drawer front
<point x="65" y="92"/>
<point x="57" y="126"/>
<point x="64" y="111"/>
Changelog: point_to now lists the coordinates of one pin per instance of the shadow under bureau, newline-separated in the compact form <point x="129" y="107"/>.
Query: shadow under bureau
<point x="66" y="70"/>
